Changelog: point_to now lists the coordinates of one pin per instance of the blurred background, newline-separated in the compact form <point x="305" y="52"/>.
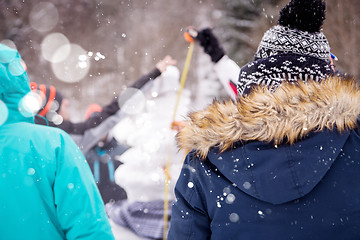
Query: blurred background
<point x="111" y="43"/>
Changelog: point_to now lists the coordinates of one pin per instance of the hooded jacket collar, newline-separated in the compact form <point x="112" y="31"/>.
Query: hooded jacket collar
<point x="14" y="86"/>
<point x="285" y="116"/>
<point x="276" y="146"/>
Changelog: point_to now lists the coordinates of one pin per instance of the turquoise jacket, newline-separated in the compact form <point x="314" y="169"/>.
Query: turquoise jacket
<point x="47" y="188"/>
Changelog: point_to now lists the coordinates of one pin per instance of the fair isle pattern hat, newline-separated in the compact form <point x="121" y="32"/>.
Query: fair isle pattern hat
<point x="280" y="39"/>
<point x="295" y="49"/>
<point x="272" y="71"/>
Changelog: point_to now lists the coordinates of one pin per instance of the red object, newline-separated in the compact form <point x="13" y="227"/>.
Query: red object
<point x="92" y="108"/>
<point x="233" y="87"/>
<point x="188" y="37"/>
<point x="52" y="94"/>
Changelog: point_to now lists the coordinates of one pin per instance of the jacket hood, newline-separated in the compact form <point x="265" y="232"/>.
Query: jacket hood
<point x="14" y="85"/>
<point x="276" y="146"/>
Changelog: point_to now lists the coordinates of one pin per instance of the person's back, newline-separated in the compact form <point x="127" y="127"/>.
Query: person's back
<point x="246" y="182"/>
<point x="48" y="191"/>
<point x="283" y="161"/>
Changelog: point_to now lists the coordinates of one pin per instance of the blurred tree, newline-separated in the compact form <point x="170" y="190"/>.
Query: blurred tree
<point x="132" y="35"/>
<point x="341" y="27"/>
<point x="135" y="34"/>
<point x="245" y="22"/>
<point x="241" y="19"/>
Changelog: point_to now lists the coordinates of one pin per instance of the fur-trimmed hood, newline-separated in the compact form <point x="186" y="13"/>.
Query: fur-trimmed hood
<point x="287" y="115"/>
<point x="278" y="146"/>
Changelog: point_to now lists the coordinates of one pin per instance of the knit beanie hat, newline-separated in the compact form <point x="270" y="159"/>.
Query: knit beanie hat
<point x="295" y="49"/>
<point x="50" y="99"/>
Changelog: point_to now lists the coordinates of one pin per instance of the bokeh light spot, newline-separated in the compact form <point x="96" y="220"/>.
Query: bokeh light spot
<point x="226" y="191"/>
<point x="230" y="199"/>
<point x="16" y="68"/>
<point x="8" y="56"/>
<point x="51" y="44"/>
<point x="44" y="16"/>
<point x="31" y="171"/>
<point x="234" y="217"/>
<point x="9" y="43"/>
<point x="30" y="104"/>
<point x="74" y="68"/>
<point x="58" y="119"/>
<point x="247" y="185"/>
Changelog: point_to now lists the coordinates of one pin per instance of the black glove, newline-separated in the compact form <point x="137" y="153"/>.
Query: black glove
<point x="210" y="44"/>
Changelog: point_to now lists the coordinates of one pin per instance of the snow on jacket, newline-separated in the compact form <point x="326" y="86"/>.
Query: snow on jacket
<point x="283" y="165"/>
<point x="48" y="191"/>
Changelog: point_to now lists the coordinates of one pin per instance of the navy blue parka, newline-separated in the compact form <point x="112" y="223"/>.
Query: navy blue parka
<point x="283" y="165"/>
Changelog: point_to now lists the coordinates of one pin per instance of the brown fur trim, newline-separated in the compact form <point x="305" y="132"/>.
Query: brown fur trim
<point x="286" y="115"/>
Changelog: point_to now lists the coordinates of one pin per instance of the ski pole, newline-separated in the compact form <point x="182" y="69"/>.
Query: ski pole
<point x="184" y="73"/>
<point x="189" y="39"/>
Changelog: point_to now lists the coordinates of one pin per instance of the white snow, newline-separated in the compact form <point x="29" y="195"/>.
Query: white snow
<point x="152" y="141"/>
